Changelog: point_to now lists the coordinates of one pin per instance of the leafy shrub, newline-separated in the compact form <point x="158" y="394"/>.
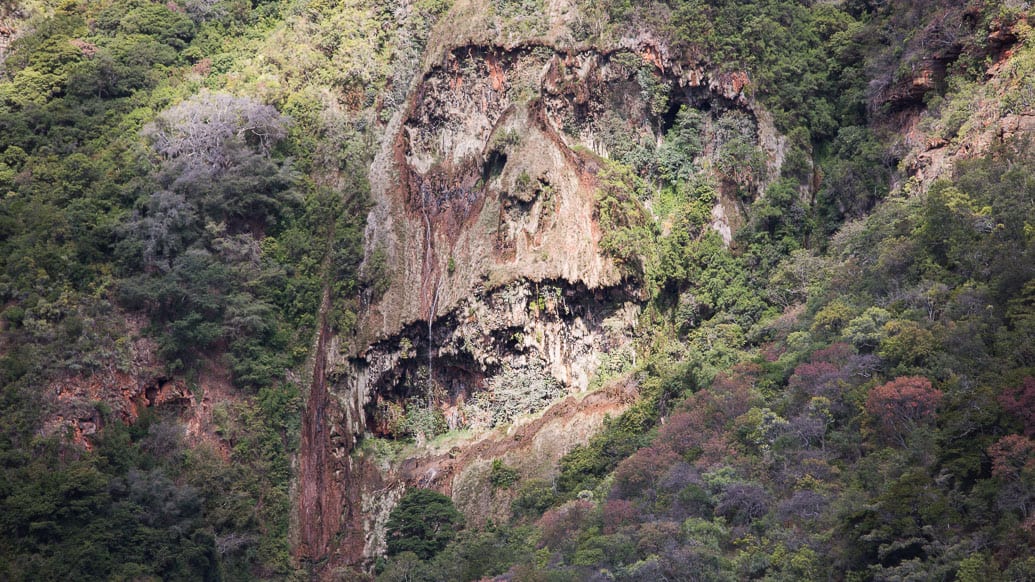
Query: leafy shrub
<point x="866" y="331"/>
<point x="501" y="476"/>
<point x="628" y="231"/>
<point x="857" y="175"/>
<point x="421" y="421"/>
<point x="738" y="159"/>
<point x="681" y="146"/>
<point x="533" y="498"/>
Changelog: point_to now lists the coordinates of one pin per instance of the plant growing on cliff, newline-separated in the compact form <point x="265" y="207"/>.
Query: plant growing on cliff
<point x="424" y="522"/>
<point x="375" y="274"/>
<point x="738" y="159"/>
<point x="512" y="393"/>
<point x="501" y="476"/>
<point x="419" y="421"/>
<point x="681" y="145"/>
<point x="628" y="231"/>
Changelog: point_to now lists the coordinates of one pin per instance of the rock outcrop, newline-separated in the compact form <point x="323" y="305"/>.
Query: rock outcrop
<point x="486" y="236"/>
<point x="129" y="383"/>
<point x="15" y="17"/>
<point x="492" y="172"/>
<point x="973" y="122"/>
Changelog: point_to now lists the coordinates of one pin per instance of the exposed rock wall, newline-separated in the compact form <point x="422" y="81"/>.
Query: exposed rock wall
<point x="320" y="478"/>
<point x="485" y="217"/>
<point x="564" y="328"/>
<point x="12" y="25"/>
<point x="971" y="121"/>
<point x="491" y="178"/>
<point x="132" y="380"/>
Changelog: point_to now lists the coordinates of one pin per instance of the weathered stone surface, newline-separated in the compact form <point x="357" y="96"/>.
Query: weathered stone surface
<point x="485" y="192"/>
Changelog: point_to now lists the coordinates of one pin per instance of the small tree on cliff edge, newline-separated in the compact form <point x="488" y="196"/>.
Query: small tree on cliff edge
<point x="424" y="522"/>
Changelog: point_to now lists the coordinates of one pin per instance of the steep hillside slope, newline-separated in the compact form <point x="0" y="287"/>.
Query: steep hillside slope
<point x="736" y="289"/>
<point x="502" y="290"/>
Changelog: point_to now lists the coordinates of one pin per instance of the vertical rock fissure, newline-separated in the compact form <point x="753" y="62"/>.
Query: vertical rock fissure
<point x="320" y="496"/>
<point x="314" y="477"/>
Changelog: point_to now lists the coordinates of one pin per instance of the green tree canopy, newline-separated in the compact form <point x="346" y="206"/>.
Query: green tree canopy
<point x="424" y="522"/>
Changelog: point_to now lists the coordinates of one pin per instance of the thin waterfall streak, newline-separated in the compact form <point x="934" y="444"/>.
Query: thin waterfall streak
<point x="435" y="288"/>
<point x="431" y="319"/>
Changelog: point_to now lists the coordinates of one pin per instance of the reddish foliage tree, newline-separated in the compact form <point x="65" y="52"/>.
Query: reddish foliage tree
<point x="772" y="351"/>
<point x="657" y="537"/>
<point x="638" y="475"/>
<point x="1011" y="456"/>
<point x="838" y="353"/>
<point x="618" y="513"/>
<point x="682" y="431"/>
<point x="731" y="394"/>
<point x="698" y="434"/>
<point x="1020" y="402"/>
<point x="715" y="451"/>
<point x="1013" y="461"/>
<point x="815" y="378"/>
<point x="560" y="525"/>
<point x="900" y="405"/>
<point x="739" y="376"/>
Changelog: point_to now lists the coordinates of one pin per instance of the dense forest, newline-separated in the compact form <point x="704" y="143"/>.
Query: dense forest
<point x="843" y="389"/>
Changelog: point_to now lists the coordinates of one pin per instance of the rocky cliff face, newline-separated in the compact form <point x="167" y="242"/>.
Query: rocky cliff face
<point x="12" y="20"/>
<point x="492" y="171"/>
<point x="967" y="121"/>
<point x="132" y="381"/>
<point x="498" y="300"/>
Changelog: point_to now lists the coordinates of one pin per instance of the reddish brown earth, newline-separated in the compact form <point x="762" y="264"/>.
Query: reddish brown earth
<point x="320" y="491"/>
<point x="515" y="443"/>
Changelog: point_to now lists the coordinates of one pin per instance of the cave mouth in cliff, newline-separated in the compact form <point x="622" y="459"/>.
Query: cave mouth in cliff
<point x="410" y="394"/>
<point x="153" y="391"/>
<point x="493" y="167"/>
<point x="704" y="99"/>
<point x="669" y="118"/>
